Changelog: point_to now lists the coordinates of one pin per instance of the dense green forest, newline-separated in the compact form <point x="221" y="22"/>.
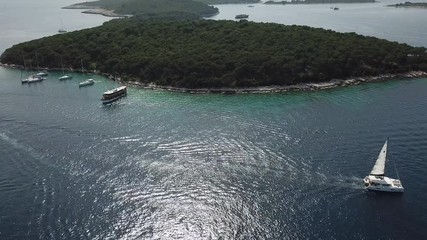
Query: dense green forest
<point x="153" y="7"/>
<point x="207" y="53"/>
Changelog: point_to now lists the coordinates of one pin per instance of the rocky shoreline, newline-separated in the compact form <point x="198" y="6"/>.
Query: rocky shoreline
<point x="290" y="88"/>
<point x="264" y="89"/>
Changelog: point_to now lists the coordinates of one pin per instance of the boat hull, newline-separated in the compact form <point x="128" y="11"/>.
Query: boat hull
<point x="110" y="100"/>
<point x="383" y="184"/>
<point x="41" y="74"/>
<point x="113" y="95"/>
<point x="33" y="79"/>
<point x="390" y="190"/>
<point x="86" y="83"/>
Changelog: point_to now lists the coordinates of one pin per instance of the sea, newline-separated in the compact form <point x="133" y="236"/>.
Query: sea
<point x="163" y="165"/>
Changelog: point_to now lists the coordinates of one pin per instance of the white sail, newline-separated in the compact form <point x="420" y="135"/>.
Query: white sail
<point x="379" y="166"/>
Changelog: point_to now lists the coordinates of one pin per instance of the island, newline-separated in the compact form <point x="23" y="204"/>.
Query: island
<point x="208" y="54"/>
<point x="410" y="5"/>
<point x="146" y="8"/>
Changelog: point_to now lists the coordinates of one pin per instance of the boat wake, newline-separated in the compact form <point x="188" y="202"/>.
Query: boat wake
<point x="17" y="145"/>
<point x="349" y="182"/>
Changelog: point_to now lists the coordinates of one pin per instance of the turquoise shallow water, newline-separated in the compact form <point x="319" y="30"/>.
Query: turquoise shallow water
<point x="168" y="165"/>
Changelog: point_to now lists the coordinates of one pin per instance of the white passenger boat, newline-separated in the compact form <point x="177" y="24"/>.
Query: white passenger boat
<point x="114" y="94"/>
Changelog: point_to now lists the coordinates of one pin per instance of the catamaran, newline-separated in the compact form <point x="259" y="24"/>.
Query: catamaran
<point x="377" y="181"/>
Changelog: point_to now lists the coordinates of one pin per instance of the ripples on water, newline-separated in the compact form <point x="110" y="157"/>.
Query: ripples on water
<point x="176" y="166"/>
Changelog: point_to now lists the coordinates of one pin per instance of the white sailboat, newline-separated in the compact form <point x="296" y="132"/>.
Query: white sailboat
<point x="40" y="74"/>
<point x="62" y="29"/>
<point x="31" y="78"/>
<point x="88" y="81"/>
<point x="64" y="76"/>
<point x="377" y="181"/>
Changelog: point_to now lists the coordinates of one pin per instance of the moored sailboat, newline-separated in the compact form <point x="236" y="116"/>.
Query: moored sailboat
<point x="40" y="74"/>
<point x="377" y="181"/>
<point x="62" y="29"/>
<point x="64" y="76"/>
<point x="31" y="78"/>
<point x="88" y="82"/>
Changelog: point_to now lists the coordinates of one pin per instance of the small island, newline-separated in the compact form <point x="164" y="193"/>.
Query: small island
<point x="147" y="8"/>
<point x="409" y="5"/>
<point x="241" y="16"/>
<point x="207" y="54"/>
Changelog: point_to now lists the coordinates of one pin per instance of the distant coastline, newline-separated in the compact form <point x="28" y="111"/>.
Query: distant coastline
<point x="409" y="5"/>
<point x="316" y="2"/>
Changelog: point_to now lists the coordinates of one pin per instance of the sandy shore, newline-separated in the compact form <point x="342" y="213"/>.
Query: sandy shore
<point x="265" y="89"/>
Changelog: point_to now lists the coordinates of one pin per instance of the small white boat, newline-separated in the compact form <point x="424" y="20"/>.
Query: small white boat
<point x="88" y="82"/>
<point x="377" y="181"/>
<point x="65" y="77"/>
<point x="41" y="74"/>
<point x="114" y="94"/>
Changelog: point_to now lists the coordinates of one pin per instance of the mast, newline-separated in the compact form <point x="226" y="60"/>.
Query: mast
<point x="62" y="67"/>
<point x="25" y="65"/>
<point x="37" y="63"/>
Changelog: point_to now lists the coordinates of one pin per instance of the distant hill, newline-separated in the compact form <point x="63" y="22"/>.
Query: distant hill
<point x="410" y="5"/>
<point x="207" y="53"/>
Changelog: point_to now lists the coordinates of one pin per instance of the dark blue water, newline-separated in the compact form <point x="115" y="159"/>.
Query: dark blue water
<point x="175" y="166"/>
